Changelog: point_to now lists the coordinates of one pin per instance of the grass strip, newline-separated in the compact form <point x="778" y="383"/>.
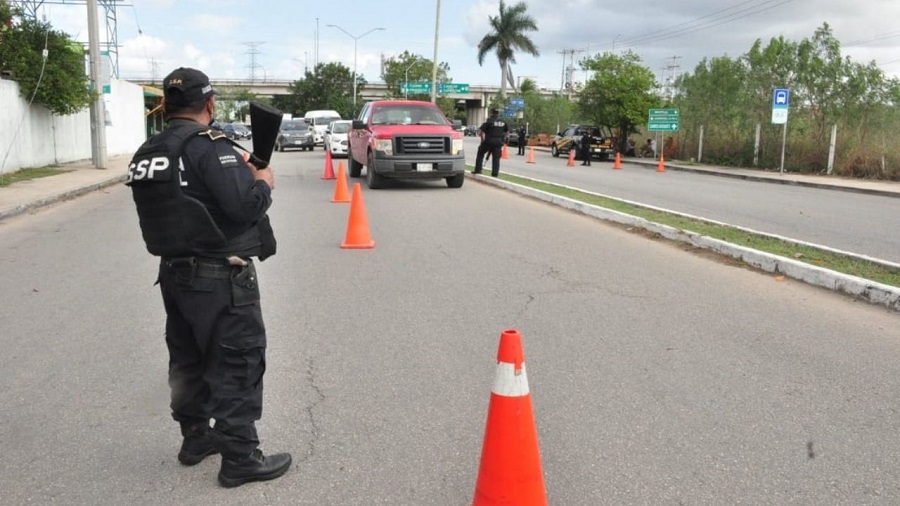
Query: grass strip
<point x="813" y="256"/>
<point x="28" y="174"/>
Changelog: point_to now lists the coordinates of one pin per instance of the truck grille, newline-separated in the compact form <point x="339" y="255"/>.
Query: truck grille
<point x="419" y="145"/>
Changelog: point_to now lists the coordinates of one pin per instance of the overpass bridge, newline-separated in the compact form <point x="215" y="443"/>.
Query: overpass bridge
<point x="475" y="101"/>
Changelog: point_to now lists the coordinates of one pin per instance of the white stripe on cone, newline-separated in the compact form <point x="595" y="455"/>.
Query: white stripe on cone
<point x="508" y="382"/>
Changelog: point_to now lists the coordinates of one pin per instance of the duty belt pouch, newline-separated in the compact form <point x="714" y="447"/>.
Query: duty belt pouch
<point x="244" y="288"/>
<point x="185" y="271"/>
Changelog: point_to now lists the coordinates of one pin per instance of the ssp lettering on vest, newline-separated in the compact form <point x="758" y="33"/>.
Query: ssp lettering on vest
<point x="172" y="223"/>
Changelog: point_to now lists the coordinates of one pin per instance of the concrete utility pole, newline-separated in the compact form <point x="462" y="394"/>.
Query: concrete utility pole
<point x="98" y="111"/>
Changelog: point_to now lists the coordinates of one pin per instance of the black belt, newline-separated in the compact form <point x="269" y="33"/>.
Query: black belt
<point x="215" y="268"/>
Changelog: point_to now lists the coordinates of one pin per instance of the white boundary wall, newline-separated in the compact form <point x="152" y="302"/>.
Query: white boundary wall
<point x="34" y="137"/>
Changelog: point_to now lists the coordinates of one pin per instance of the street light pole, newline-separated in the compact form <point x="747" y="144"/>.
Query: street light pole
<point x="406" y="77"/>
<point x="355" y="40"/>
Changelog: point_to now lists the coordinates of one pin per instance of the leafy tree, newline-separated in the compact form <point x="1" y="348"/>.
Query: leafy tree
<point x="619" y="94"/>
<point x="715" y="97"/>
<point x="328" y="86"/>
<point x="60" y="82"/>
<point x="508" y="35"/>
<point x="417" y="68"/>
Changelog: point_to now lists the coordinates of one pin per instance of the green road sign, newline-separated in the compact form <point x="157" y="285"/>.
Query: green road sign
<point x="453" y="87"/>
<point x="663" y="120"/>
<point x="415" y="88"/>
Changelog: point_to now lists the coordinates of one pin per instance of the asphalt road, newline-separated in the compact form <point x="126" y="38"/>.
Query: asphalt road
<point x="854" y="222"/>
<point x="658" y="376"/>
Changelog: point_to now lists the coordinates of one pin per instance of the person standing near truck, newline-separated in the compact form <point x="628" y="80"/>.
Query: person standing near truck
<point x="586" y="154"/>
<point x="493" y="135"/>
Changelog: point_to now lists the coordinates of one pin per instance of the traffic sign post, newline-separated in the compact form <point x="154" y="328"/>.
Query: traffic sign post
<point x="781" y="101"/>
<point x="663" y="120"/>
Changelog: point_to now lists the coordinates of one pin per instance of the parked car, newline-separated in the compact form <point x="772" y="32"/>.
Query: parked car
<point x="295" y="133"/>
<point x="471" y="131"/>
<point x="237" y="131"/>
<point x="406" y="139"/>
<point x="336" y="138"/>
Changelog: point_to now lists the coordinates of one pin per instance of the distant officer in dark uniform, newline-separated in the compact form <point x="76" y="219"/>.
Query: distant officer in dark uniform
<point x="521" y="138"/>
<point x="493" y="136"/>
<point x="586" y="154"/>
<point x="202" y="209"/>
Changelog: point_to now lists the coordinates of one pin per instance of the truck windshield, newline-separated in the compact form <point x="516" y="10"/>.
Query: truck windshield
<point x="408" y="115"/>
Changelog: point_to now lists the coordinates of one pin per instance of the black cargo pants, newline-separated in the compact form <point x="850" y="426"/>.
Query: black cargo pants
<point x="217" y="342"/>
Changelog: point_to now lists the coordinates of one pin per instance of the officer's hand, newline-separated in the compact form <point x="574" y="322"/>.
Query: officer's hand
<point x="265" y="175"/>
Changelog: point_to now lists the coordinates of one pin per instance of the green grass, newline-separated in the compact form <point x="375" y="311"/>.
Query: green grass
<point x="813" y="256"/>
<point x="28" y="174"/>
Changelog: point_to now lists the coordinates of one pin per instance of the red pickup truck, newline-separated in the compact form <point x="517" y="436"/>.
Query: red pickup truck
<point x="406" y="139"/>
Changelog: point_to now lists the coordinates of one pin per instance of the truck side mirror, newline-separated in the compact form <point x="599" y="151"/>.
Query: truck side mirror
<point x="359" y="124"/>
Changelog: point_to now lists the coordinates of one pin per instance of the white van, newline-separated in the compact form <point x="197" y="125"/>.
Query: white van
<point x="318" y="122"/>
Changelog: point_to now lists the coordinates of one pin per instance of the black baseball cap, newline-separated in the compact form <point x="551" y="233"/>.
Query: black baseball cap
<point x="184" y="86"/>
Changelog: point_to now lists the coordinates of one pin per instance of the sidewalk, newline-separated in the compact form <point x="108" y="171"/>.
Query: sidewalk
<point x="82" y="177"/>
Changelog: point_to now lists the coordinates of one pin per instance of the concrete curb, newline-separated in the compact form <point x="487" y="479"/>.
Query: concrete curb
<point x="860" y="288"/>
<point x="59" y="197"/>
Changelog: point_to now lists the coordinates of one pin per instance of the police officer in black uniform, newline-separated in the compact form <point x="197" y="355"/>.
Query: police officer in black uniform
<point x="493" y="136"/>
<point x="202" y="209"/>
<point x="586" y="154"/>
<point x="521" y="138"/>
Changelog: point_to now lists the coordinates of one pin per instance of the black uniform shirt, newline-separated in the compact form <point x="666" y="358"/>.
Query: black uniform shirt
<point x="215" y="174"/>
<point x="495" y="131"/>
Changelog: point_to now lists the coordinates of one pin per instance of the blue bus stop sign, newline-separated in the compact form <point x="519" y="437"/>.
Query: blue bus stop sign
<point x="781" y="98"/>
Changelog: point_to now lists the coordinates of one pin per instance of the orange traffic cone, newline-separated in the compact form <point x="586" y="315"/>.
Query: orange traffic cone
<point x="510" y="470"/>
<point x="618" y="162"/>
<point x="504" y="155"/>
<point x="340" y="186"/>
<point x="571" y="162"/>
<point x="531" y="154"/>
<point x="357" y="225"/>
<point x="661" y="167"/>
<point x="329" y="167"/>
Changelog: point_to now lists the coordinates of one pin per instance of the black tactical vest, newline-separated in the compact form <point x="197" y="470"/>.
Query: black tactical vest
<point x="495" y="132"/>
<point x="173" y="224"/>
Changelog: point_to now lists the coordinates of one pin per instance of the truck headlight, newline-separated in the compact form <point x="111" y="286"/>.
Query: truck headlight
<point x="384" y="145"/>
<point x="457" y="146"/>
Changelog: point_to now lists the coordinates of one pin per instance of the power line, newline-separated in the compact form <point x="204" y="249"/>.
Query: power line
<point x="713" y="19"/>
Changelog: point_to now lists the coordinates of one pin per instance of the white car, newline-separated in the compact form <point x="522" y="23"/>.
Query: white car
<point x="335" y="139"/>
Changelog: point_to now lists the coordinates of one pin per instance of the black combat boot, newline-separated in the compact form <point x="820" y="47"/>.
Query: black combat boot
<point x="253" y="467"/>
<point x="195" y="448"/>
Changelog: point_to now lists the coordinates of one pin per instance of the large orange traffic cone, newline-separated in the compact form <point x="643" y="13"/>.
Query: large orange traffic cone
<point x="531" y="154"/>
<point x="340" y="186"/>
<point x="661" y="167"/>
<point x="328" y="173"/>
<point x="357" y="224"/>
<point x="618" y="162"/>
<point x="571" y="162"/>
<point x="504" y="154"/>
<point x="510" y="471"/>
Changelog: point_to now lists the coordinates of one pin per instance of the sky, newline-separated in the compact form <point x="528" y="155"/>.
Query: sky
<point x="278" y="39"/>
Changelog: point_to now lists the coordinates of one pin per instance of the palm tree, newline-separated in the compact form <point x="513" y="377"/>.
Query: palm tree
<point x="506" y="36"/>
